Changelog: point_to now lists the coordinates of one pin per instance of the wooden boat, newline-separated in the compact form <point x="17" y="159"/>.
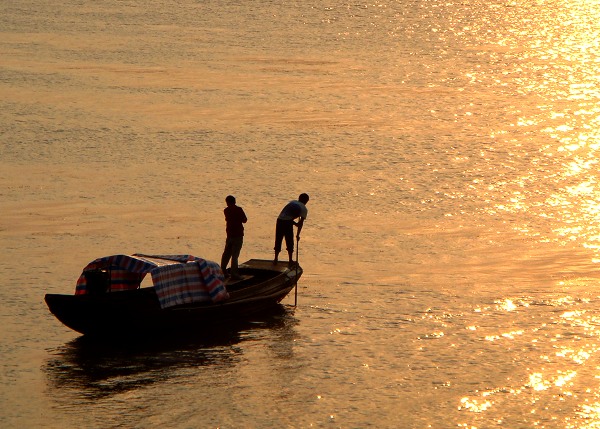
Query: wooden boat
<point x="110" y="299"/>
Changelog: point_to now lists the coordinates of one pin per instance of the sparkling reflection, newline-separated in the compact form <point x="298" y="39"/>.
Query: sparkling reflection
<point x="555" y="378"/>
<point x="556" y="194"/>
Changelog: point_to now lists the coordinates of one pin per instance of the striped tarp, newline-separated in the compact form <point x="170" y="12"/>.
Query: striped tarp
<point x="195" y="281"/>
<point x="178" y="279"/>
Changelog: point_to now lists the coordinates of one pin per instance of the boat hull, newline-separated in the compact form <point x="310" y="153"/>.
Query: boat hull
<point x="138" y="312"/>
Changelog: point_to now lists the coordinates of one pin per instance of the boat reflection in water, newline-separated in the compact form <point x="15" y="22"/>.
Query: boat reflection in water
<point x="95" y="368"/>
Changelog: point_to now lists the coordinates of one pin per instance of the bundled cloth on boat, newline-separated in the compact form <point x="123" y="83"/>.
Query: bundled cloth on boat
<point x="195" y="281"/>
<point x="178" y="279"/>
<point x="122" y="272"/>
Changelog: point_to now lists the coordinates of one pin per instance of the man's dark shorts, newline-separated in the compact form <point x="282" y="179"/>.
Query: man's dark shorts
<point x="284" y="228"/>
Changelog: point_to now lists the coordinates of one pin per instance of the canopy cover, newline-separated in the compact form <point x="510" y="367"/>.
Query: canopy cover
<point x="178" y="279"/>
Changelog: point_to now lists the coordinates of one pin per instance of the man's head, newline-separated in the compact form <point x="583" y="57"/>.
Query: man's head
<point x="230" y="200"/>
<point x="303" y="198"/>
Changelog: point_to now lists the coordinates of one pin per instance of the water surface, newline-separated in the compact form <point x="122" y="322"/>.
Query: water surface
<point x="450" y="255"/>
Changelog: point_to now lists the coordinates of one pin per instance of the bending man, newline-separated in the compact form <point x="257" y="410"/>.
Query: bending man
<point x="285" y="225"/>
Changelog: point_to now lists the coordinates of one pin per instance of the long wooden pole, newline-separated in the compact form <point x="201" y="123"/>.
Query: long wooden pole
<point x="296" y="289"/>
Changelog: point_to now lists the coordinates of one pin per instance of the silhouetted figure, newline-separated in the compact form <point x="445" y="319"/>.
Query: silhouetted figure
<point x="235" y="219"/>
<point x="285" y="225"/>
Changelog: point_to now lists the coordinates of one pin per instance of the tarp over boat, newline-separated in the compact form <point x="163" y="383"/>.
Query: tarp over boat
<point x="178" y="279"/>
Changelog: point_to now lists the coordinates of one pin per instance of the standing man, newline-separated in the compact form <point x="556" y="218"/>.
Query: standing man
<point x="235" y="219"/>
<point x="285" y="225"/>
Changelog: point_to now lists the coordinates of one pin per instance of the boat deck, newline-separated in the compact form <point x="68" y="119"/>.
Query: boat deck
<point x="267" y="264"/>
<point x="232" y="281"/>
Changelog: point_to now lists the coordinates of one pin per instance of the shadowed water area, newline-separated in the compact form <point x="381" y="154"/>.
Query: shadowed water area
<point x="450" y="253"/>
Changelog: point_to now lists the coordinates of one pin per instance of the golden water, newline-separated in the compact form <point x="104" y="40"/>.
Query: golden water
<point x="451" y="250"/>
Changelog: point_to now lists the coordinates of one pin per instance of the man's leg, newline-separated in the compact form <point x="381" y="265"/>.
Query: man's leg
<point x="226" y="255"/>
<point x="279" y="233"/>
<point x="236" y="249"/>
<point x="289" y="241"/>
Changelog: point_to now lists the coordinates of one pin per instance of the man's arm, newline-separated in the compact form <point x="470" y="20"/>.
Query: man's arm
<point x="299" y="224"/>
